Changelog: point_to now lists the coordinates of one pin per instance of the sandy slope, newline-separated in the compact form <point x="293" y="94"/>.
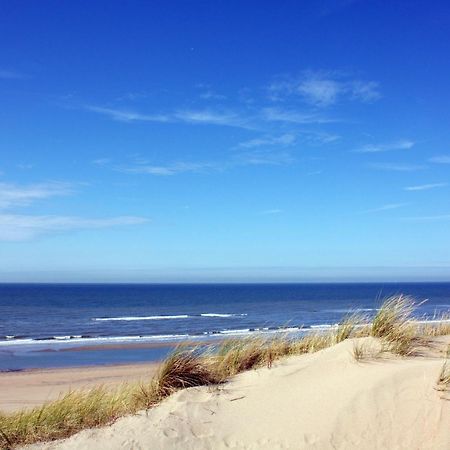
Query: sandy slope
<point x="319" y="401"/>
<point x="34" y="387"/>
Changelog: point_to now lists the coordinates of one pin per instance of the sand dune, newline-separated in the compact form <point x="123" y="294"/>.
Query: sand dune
<point x="324" y="400"/>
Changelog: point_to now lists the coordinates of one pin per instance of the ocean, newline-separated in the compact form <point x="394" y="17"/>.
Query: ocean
<point x="57" y="325"/>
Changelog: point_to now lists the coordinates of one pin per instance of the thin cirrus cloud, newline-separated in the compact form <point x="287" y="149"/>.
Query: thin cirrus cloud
<point x="250" y="157"/>
<point x="425" y="187"/>
<point x="203" y="116"/>
<point x="377" y="148"/>
<point x="271" y="212"/>
<point x="123" y="115"/>
<point x="441" y="159"/>
<point x="394" y="167"/>
<point x="293" y="116"/>
<point x="165" y="170"/>
<point x="246" y="120"/>
<point x="14" y="227"/>
<point x="387" y="207"/>
<point x="12" y="195"/>
<point x="284" y="139"/>
<point x="322" y="89"/>
<point x="19" y="227"/>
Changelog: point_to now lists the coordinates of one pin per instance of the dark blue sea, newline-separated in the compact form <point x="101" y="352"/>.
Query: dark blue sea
<point x="54" y="325"/>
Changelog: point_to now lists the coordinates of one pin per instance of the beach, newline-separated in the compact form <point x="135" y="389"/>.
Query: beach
<point x="324" y="400"/>
<point x="30" y="388"/>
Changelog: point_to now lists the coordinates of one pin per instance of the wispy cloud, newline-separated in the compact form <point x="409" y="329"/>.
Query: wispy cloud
<point x="12" y="195"/>
<point x="437" y="218"/>
<point x="377" y="148"/>
<point x="165" y="170"/>
<point x="24" y="166"/>
<point x="101" y="161"/>
<point x="294" y="116"/>
<point x="284" y="139"/>
<point x="127" y="115"/>
<point x="208" y="93"/>
<point x="425" y="187"/>
<point x="191" y="116"/>
<point x="24" y="227"/>
<point x="262" y="158"/>
<point x="322" y="89"/>
<point x="441" y="159"/>
<point x="210" y="117"/>
<point x="248" y="157"/>
<point x="270" y="212"/>
<point x="396" y="167"/>
<point x="387" y="207"/>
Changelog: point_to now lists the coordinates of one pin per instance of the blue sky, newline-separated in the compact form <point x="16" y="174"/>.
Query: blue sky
<point x="224" y="141"/>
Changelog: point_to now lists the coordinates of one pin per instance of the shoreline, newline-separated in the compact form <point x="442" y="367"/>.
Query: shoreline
<point x="34" y="387"/>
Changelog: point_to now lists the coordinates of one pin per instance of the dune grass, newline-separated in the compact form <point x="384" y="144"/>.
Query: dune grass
<point x="73" y="412"/>
<point x="439" y="327"/>
<point x="191" y="366"/>
<point x="394" y="325"/>
<point x="443" y="382"/>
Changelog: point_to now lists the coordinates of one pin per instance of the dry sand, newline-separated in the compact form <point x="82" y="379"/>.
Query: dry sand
<point x="34" y="387"/>
<point x="325" y="400"/>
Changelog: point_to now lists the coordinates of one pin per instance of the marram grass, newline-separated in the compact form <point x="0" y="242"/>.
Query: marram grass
<point x="196" y="366"/>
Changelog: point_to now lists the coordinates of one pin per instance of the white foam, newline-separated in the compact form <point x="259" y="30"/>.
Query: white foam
<point x="242" y="331"/>
<point x="324" y="326"/>
<point x="132" y="318"/>
<point x="61" y="340"/>
<point x="222" y="315"/>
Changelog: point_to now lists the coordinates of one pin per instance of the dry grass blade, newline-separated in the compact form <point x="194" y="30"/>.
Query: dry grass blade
<point x="443" y="382"/>
<point x="347" y="327"/>
<point x="394" y="325"/>
<point x="395" y="311"/>
<point x="439" y="326"/>
<point x="363" y="350"/>
<point x="239" y="355"/>
<point x="358" y="351"/>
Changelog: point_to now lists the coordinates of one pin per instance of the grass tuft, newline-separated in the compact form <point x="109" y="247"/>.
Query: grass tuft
<point x="348" y="326"/>
<point x="362" y="350"/>
<point x="359" y="351"/>
<point x="444" y="378"/>
<point x="393" y="323"/>
<point x="443" y="382"/>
